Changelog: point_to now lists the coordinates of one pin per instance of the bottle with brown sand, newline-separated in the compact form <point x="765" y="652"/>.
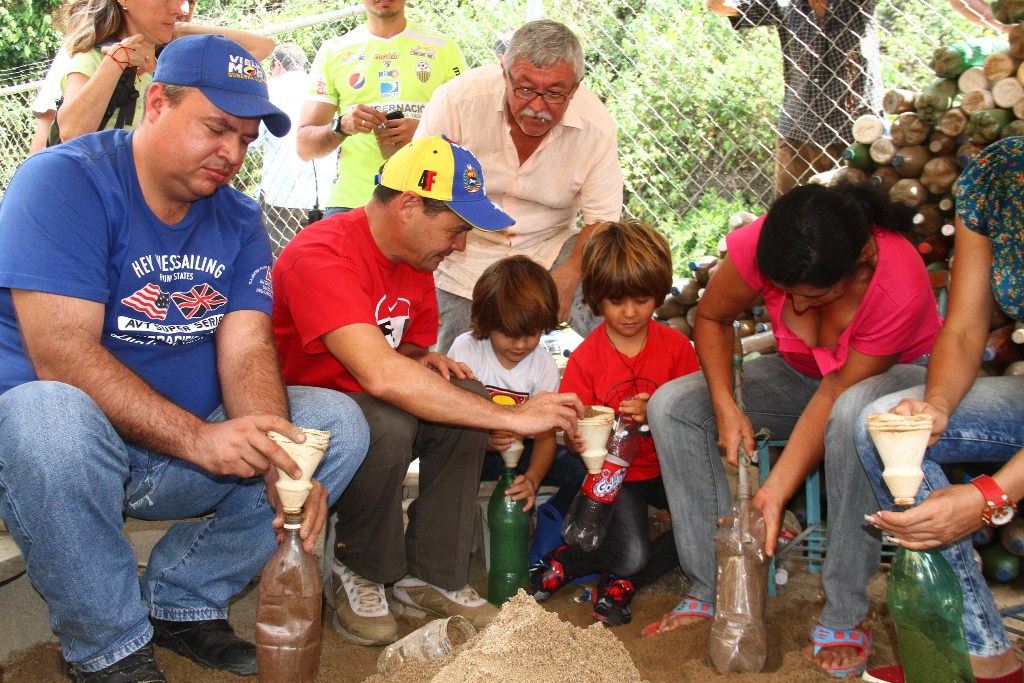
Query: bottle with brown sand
<point x="290" y="592"/>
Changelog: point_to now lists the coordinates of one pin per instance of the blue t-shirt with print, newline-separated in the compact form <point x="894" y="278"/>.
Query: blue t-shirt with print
<point x="74" y="222"/>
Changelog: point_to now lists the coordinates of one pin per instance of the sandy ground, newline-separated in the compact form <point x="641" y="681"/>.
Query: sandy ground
<point x="679" y="655"/>
<point x="676" y="656"/>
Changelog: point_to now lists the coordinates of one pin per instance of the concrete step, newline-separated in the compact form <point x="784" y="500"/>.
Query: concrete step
<point x="12" y="564"/>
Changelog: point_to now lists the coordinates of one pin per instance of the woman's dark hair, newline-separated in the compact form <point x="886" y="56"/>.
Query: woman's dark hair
<point x="814" y="235"/>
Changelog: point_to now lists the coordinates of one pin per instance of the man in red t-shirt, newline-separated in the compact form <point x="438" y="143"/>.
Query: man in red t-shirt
<point x="355" y="310"/>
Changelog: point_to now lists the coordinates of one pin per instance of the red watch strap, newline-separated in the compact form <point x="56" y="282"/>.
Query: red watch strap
<point x="994" y="495"/>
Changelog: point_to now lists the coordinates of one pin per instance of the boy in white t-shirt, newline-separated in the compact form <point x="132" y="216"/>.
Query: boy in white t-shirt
<point x="514" y="303"/>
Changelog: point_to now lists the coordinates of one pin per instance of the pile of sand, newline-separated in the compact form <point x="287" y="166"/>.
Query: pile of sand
<point x="524" y="644"/>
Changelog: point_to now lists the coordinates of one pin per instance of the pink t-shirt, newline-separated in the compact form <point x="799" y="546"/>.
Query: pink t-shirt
<point x="897" y="315"/>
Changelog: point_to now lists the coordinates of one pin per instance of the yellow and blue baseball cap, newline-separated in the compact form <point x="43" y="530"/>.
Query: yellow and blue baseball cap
<point x="229" y="76"/>
<point x="436" y="168"/>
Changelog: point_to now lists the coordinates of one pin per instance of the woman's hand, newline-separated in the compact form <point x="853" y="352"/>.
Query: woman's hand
<point x="940" y="418"/>
<point x="947" y="515"/>
<point x="733" y="429"/>
<point x="772" y="507"/>
<point x="133" y="52"/>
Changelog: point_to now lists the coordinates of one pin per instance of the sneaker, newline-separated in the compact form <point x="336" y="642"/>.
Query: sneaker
<point x="548" y="575"/>
<point x="138" y="667"/>
<point x="210" y="643"/>
<point x="420" y="599"/>
<point x="361" y="612"/>
<point x="611" y="600"/>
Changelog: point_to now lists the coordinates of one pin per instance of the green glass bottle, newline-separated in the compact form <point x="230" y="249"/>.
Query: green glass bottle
<point x="950" y="61"/>
<point x="509" y="528"/>
<point x="926" y="604"/>
<point x="858" y="155"/>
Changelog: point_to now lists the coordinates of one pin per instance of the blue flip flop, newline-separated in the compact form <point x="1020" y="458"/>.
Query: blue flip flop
<point x="824" y="637"/>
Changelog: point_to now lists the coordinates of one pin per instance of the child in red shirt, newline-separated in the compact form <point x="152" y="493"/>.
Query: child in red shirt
<point x="627" y="272"/>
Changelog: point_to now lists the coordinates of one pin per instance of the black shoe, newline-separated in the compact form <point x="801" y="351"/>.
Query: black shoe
<point x="138" y="667"/>
<point x="211" y="644"/>
<point x="611" y="600"/>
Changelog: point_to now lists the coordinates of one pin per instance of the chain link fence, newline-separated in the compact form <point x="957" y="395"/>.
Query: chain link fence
<point x="697" y="102"/>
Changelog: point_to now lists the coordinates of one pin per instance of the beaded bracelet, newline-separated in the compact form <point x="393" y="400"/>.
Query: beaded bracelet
<point x="127" y="61"/>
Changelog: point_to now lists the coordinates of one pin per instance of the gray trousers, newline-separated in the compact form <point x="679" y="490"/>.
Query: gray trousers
<point x="368" y="519"/>
<point x="456" y="316"/>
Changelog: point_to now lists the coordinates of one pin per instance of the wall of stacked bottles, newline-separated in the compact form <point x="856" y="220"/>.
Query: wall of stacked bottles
<point x="696" y="102"/>
<point x="915" y="152"/>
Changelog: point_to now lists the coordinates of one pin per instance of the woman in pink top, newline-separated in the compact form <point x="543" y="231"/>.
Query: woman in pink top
<point x="854" y="318"/>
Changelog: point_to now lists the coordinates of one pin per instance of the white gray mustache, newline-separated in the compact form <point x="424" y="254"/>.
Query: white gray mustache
<point x="542" y="115"/>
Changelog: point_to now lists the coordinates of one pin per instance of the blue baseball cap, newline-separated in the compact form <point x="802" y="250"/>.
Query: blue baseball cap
<point x="437" y="168"/>
<point x="225" y="73"/>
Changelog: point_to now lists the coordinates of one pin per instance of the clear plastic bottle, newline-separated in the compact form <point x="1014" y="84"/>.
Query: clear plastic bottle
<point x="925" y="602"/>
<point x="591" y="511"/>
<point x="738" y="638"/>
<point x="288" y="611"/>
<point x="509" y="529"/>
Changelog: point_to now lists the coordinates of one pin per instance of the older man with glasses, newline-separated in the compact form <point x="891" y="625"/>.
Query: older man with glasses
<point x="550" y="150"/>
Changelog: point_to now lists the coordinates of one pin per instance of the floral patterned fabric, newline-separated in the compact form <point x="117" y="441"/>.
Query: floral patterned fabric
<point x="990" y="202"/>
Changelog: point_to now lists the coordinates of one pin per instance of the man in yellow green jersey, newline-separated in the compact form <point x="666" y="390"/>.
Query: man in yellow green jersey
<point x="386" y="65"/>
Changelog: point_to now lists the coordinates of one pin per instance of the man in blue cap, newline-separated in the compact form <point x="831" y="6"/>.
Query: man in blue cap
<point x="355" y="310"/>
<point x="139" y="376"/>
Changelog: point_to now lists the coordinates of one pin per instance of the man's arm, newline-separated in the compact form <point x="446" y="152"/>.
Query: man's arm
<point x="250" y="380"/>
<point x="62" y="337"/>
<point x="568" y="275"/>
<point x="316" y="137"/>
<point x="723" y="8"/>
<point x="251" y="385"/>
<point x="407" y="384"/>
<point x="978" y="12"/>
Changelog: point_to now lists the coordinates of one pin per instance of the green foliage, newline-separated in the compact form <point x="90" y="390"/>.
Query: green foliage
<point x="695" y="101"/>
<point x="26" y="32"/>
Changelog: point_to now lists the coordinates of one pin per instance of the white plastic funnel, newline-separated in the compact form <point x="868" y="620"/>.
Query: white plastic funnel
<point x="307" y="455"/>
<point x="595" y="428"/>
<point x="510" y="456"/>
<point x="901" y="441"/>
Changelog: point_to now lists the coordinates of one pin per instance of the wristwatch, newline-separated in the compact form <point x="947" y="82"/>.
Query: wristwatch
<point x="336" y="127"/>
<point x="999" y="509"/>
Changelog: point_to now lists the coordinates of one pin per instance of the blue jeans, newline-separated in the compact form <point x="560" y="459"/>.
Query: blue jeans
<point x="68" y="480"/>
<point x="686" y="435"/>
<point x="987" y="427"/>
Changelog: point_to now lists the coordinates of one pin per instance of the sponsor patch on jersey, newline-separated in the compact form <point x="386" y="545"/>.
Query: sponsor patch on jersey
<point x="388" y="73"/>
<point x="388" y="89"/>
<point x="424" y="51"/>
<point x="385" y="56"/>
<point x="321" y="86"/>
<point x="423" y="70"/>
<point x="356" y="81"/>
